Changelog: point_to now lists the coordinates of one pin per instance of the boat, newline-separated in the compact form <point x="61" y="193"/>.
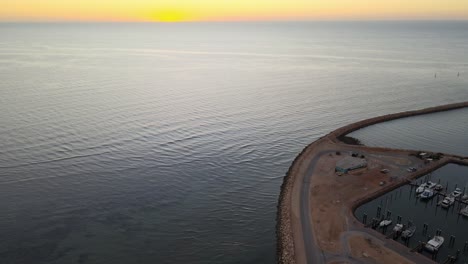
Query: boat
<point x="398" y="228"/>
<point x="409" y="232"/>
<point x="426" y="185"/>
<point x="421" y="188"/>
<point x="456" y="193"/>
<point x="464" y="211"/>
<point x="435" y="243"/>
<point x="447" y="202"/>
<point x="439" y="188"/>
<point x="427" y="194"/>
<point x="465" y="198"/>
<point x="385" y="223"/>
<point x="430" y="185"/>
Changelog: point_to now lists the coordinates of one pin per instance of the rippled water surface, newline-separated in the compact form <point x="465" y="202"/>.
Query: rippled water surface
<point x="167" y="143"/>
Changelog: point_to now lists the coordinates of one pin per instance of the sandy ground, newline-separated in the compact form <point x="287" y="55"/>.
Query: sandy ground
<point x="332" y="196"/>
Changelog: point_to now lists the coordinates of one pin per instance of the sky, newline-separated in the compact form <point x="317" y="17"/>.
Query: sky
<point x="231" y="10"/>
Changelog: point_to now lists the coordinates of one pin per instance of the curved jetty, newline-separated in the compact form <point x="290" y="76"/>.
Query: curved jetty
<point x="329" y="179"/>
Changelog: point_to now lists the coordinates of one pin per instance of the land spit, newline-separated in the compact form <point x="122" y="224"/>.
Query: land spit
<point x="315" y="220"/>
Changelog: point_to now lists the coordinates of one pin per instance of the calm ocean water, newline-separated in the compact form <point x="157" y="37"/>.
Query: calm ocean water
<point x="167" y="143"/>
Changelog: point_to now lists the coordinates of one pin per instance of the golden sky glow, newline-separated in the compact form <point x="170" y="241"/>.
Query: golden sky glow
<point x="228" y="10"/>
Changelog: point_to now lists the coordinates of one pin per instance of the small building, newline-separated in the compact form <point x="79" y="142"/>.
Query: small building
<point x="348" y="163"/>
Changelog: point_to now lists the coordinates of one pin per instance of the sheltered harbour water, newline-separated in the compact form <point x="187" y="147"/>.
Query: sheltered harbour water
<point x="438" y="132"/>
<point x="403" y="202"/>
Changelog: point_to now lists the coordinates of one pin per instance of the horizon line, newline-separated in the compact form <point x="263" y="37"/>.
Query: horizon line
<point x="240" y="21"/>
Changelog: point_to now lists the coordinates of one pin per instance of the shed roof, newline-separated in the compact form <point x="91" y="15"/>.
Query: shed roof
<point x="350" y="162"/>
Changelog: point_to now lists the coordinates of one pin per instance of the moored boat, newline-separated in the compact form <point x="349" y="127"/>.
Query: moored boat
<point x="465" y="198"/>
<point x="456" y="193"/>
<point x="447" y="202"/>
<point x="464" y="211"/>
<point x="398" y="228"/>
<point x="431" y="185"/>
<point x="427" y="194"/>
<point x="409" y="232"/>
<point x="435" y="243"/>
<point x="424" y="186"/>
<point x="421" y="188"/>
<point x="385" y="223"/>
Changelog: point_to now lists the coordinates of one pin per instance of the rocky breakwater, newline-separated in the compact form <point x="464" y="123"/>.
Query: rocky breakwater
<point x="285" y="240"/>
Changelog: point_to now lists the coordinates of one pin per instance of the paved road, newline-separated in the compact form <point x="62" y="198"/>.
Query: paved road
<point x="314" y="255"/>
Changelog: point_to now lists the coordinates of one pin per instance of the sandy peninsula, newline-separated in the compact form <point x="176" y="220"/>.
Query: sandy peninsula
<point x="315" y="220"/>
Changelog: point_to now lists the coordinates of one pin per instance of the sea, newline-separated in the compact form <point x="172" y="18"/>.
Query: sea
<point x="168" y="142"/>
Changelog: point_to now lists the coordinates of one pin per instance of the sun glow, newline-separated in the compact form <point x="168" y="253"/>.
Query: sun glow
<point x="229" y="10"/>
<point x="170" y="15"/>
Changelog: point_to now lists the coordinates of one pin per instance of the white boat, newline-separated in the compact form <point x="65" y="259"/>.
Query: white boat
<point x="421" y="188"/>
<point x="464" y="211"/>
<point x="426" y="185"/>
<point x="447" y="202"/>
<point x="435" y="243"/>
<point x="430" y="185"/>
<point x="439" y="188"/>
<point x="456" y="193"/>
<point x="409" y="232"/>
<point x="427" y="194"/>
<point x="385" y="223"/>
<point x="397" y="228"/>
<point x="465" y="198"/>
